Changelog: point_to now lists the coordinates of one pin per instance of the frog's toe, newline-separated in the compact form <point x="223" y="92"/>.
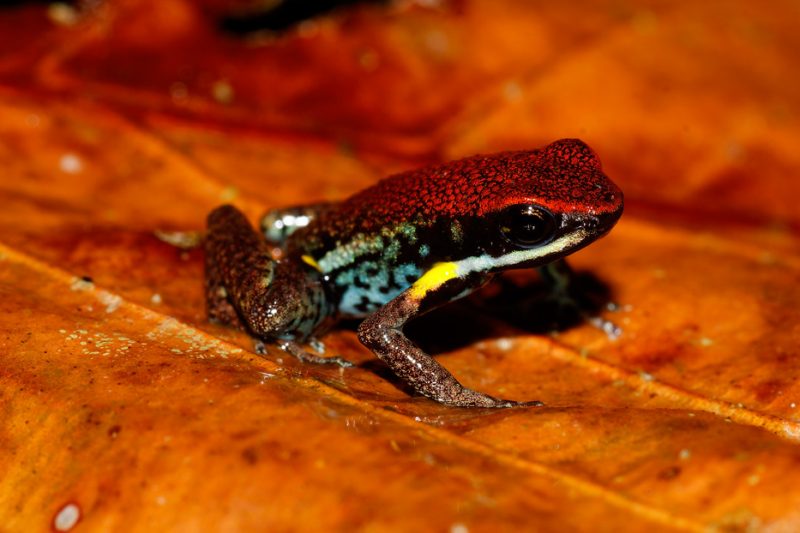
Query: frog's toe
<point x="317" y="345"/>
<point x="297" y="351"/>
<point x="612" y="330"/>
<point x="337" y="360"/>
<point x="259" y="347"/>
<point x="471" y="398"/>
<point x="531" y="403"/>
<point x="503" y="404"/>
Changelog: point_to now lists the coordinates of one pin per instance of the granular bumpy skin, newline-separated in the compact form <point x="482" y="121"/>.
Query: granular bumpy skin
<point x="564" y="176"/>
<point x="273" y="299"/>
<point x="408" y="244"/>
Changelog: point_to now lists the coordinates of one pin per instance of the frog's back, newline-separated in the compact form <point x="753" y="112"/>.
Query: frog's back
<point x="421" y="196"/>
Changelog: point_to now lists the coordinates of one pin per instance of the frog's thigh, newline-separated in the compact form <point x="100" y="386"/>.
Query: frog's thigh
<point x="382" y="333"/>
<point x="274" y="300"/>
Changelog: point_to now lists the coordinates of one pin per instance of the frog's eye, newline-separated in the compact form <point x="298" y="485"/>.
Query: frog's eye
<point x="526" y="225"/>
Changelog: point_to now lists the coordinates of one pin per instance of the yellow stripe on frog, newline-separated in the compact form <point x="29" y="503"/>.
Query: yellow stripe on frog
<point x="433" y="279"/>
<point x="307" y="259"/>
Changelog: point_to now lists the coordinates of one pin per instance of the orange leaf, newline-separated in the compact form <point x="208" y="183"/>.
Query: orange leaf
<point x="124" y="409"/>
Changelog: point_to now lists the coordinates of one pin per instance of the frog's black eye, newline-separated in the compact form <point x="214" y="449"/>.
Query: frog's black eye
<point x="526" y="225"/>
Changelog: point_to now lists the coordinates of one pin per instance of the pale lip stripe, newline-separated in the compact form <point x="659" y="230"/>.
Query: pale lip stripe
<point x="487" y="263"/>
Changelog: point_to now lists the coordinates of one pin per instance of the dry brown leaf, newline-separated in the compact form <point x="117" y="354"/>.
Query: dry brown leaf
<point x="123" y="406"/>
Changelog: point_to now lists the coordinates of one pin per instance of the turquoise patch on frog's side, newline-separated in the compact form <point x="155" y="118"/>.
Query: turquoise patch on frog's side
<point x="391" y="252"/>
<point x="369" y="271"/>
<point x="373" y="291"/>
<point x="347" y="254"/>
<point x="361" y="245"/>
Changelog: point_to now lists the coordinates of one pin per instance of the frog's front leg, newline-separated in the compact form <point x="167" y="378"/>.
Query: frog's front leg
<point x="559" y="276"/>
<point x="382" y="333"/>
<point x="275" y="300"/>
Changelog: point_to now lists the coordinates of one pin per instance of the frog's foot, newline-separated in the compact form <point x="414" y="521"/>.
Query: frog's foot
<point x="317" y="345"/>
<point x="218" y="308"/>
<point x="612" y="330"/>
<point x="185" y="240"/>
<point x="567" y="306"/>
<point x="470" y="398"/>
<point x="295" y="350"/>
<point x="573" y="303"/>
<point x="260" y="347"/>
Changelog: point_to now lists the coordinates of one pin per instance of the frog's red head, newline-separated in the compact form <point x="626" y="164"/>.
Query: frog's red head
<point x="551" y="202"/>
<point x="565" y="177"/>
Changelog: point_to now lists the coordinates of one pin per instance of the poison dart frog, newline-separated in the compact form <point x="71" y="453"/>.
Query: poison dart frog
<point x="406" y="245"/>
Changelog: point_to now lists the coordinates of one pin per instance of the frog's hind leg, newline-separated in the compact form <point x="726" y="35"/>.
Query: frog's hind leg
<point x="275" y="300"/>
<point x="218" y="307"/>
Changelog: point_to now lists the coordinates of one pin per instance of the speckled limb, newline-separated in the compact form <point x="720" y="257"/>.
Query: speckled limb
<point x="382" y="333"/>
<point x="273" y="299"/>
<point x="218" y="308"/>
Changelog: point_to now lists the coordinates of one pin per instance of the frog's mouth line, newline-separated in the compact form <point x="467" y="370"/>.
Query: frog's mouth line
<point x="524" y="258"/>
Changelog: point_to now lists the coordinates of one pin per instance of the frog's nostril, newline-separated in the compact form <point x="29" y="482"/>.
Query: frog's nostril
<point x="606" y="221"/>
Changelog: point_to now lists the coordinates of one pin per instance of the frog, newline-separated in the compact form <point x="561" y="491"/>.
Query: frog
<point x="410" y="243"/>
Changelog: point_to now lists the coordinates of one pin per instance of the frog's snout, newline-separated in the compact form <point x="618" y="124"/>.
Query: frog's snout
<point x="595" y="225"/>
<point x="612" y="209"/>
<point x="603" y="222"/>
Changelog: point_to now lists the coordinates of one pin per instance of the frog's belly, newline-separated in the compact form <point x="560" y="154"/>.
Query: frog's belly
<point x="368" y="286"/>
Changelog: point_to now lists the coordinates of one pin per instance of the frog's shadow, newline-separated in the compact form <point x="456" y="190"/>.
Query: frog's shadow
<point x="507" y="306"/>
